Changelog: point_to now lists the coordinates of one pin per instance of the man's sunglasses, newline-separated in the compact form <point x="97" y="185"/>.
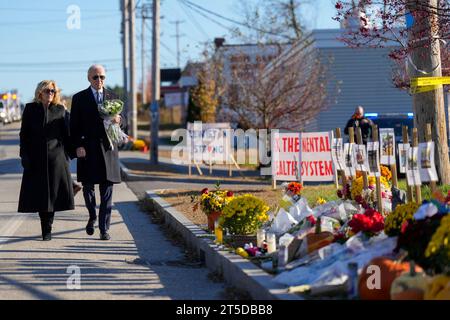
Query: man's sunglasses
<point x="48" y="91"/>
<point x="96" y="77"/>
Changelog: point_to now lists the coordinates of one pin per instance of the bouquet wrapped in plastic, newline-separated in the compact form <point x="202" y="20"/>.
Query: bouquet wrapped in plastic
<point x="108" y="110"/>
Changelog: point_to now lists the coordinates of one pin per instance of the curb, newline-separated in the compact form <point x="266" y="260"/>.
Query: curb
<point x="126" y="173"/>
<point x="237" y="271"/>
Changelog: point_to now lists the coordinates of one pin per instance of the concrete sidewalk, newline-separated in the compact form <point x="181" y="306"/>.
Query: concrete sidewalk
<point x="139" y="262"/>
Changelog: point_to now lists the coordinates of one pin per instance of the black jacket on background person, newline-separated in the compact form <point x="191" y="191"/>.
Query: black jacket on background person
<point x="101" y="164"/>
<point x="44" y="146"/>
<point x="364" y="123"/>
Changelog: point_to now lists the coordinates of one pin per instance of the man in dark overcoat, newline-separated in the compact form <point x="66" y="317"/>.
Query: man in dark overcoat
<point x="97" y="161"/>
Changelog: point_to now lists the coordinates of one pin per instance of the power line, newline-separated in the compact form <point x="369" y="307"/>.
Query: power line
<point x="207" y="17"/>
<point x="198" y="8"/>
<point x="165" y="46"/>
<point x="193" y="21"/>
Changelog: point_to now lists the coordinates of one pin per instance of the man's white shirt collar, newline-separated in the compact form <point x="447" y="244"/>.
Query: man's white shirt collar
<point x="95" y="91"/>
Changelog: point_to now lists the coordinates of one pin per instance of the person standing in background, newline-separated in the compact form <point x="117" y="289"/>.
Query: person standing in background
<point x="359" y="120"/>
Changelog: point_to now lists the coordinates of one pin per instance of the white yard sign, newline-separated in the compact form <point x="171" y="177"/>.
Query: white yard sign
<point x="412" y="167"/>
<point x="387" y="145"/>
<point x="337" y="154"/>
<point x="210" y="143"/>
<point x="348" y="159"/>
<point x="426" y="160"/>
<point x="403" y="156"/>
<point x="360" y="158"/>
<point x="373" y="158"/>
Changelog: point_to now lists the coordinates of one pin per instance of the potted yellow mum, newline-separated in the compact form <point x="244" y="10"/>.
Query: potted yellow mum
<point x="212" y="202"/>
<point x="243" y="216"/>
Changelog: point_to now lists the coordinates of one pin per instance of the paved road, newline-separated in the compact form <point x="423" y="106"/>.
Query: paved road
<point x="138" y="263"/>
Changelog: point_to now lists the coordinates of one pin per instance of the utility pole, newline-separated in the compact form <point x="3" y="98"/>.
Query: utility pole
<point x="426" y="62"/>
<point x="145" y="16"/>
<point x="132" y="96"/>
<point x="126" y="70"/>
<point x="155" y="86"/>
<point x="178" y="36"/>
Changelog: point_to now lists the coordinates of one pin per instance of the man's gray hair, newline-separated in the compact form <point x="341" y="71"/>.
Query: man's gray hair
<point x="95" y="66"/>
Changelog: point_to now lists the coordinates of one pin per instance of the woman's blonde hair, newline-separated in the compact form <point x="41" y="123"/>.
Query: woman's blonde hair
<point x="44" y="84"/>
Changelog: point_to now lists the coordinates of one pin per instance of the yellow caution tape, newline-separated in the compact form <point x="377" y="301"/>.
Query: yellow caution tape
<point x="429" y="81"/>
<point x="415" y="89"/>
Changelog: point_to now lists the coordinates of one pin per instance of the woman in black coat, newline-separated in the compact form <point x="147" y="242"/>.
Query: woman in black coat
<point x="44" y="144"/>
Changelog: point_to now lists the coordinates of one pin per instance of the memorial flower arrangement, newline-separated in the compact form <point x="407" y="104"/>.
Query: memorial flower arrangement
<point x="292" y="193"/>
<point x="294" y="189"/>
<point x="438" y="249"/>
<point x="357" y="187"/>
<point x="402" y="213"/>
<point x="371" y="222"/>
<point x="414" y="237"/>
<point x="244" y="214"/>
<point x="212" y="200"/>
<point x="386" y="173"/>
<point x="108" y="110"/>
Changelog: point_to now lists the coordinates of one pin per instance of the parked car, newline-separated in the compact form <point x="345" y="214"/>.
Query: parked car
<point x="394" y="120"/>
<point x="10" y="107"/>
<point x="4" y="114"/>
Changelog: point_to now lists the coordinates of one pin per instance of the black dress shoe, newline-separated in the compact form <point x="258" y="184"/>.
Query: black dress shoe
<point x="105" y="236"/>
<point x="90" y="227"/>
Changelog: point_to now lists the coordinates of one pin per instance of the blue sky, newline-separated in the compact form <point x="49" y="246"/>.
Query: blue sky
<point x="37" y="44"/>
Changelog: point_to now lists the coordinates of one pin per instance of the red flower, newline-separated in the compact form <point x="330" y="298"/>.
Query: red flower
<point x="360" y="222"/>
<point x="229" y="193"/>
<point x="295" y="188"/>
<point x="311" y="219"/>
<point x="205" y="191"/>
<point x="370" y="221"/>
<point x="338" y="5"/>
<point x="404" y="226"/>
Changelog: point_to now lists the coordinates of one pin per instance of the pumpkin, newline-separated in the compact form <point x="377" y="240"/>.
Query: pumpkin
<point x="389" y="271"/>
<point x="409" y="286"/>
<point x="438" y="288"/>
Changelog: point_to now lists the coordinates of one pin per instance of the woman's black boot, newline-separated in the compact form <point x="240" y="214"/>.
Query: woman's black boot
<point x="46" y="225"/>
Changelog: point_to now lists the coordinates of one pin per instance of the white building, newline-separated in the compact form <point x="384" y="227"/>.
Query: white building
<point x="363" y="76"/>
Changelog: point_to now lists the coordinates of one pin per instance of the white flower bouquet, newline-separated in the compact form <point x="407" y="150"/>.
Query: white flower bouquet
<point x="108" y="110"/>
